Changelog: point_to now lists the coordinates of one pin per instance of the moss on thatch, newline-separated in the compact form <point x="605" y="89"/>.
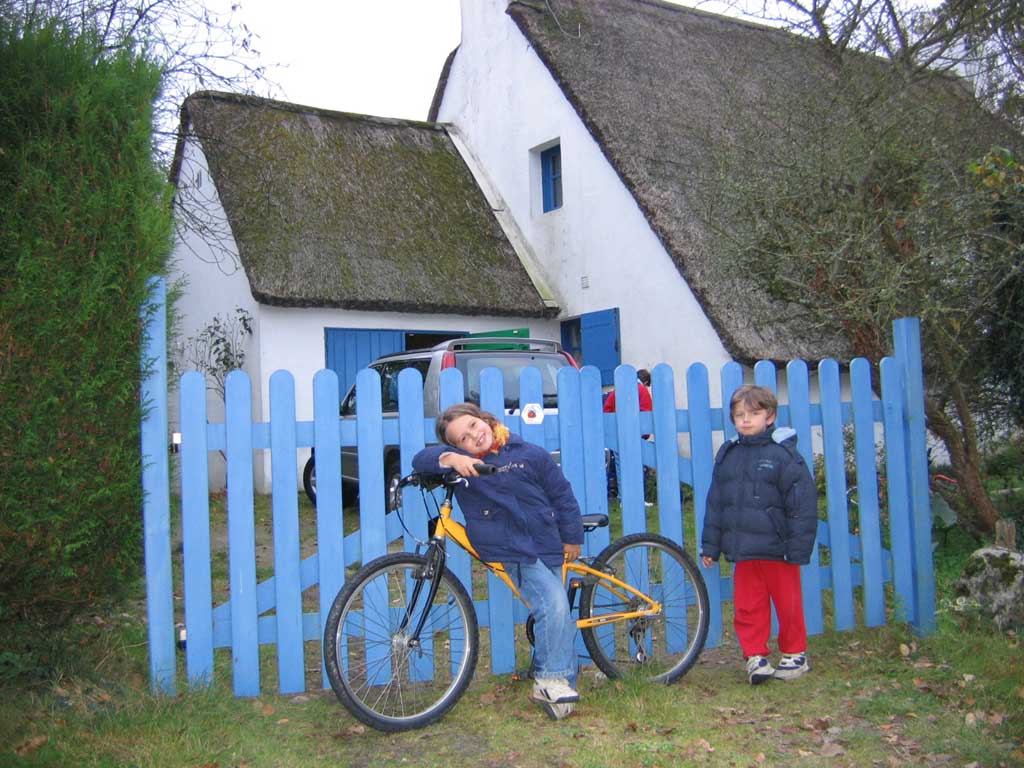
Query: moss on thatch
<point x="341" y="210"/>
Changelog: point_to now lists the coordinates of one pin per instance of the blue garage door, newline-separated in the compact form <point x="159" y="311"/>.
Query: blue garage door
<point x="349" y="350"/>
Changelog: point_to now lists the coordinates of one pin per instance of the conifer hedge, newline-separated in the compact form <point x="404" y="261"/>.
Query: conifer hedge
<point x="84" y="221"/>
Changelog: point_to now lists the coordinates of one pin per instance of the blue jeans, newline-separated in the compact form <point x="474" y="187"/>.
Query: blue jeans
<point x="554" y="628"/>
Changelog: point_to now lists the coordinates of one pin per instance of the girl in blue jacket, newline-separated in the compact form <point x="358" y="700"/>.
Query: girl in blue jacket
<point x="762" y="514"/>
<point x="524" y="516"/>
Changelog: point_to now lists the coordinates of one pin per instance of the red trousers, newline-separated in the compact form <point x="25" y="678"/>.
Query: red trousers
<point x="756" y="585"/>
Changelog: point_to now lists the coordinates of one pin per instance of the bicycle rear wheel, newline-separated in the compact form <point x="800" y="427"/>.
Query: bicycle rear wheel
<point x="382" y="678"/>
<point x="661" y="647"/>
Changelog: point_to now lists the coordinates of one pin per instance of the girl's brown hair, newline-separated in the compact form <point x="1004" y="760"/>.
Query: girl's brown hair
<point x="461" y="409"/>
<point x="754" y="397"/>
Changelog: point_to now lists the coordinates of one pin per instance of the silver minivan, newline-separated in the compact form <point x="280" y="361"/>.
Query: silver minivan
<point x="470" y="355"/>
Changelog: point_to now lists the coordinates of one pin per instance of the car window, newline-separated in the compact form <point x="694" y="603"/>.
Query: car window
<point x="511" y="366"/>
<point x="389" y="380"/>
<point x="388" y="384"/>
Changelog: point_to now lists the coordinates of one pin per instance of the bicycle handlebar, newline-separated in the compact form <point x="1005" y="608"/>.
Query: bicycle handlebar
<point x="430" y="480"/>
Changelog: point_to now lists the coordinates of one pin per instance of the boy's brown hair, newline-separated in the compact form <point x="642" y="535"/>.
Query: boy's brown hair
<point x="754" y="397"/>
<point x="457" y="410"/>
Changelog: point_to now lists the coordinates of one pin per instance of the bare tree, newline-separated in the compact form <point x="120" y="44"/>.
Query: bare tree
<point x="195" y="47"/>
<point x="881" y="209"/>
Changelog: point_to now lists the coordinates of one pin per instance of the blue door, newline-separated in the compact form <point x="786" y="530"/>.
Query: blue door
<point x="593" y="339"/>
<point x="349" y="350"/>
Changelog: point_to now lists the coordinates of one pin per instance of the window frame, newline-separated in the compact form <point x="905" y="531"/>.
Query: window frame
<point x="551" y="178"/>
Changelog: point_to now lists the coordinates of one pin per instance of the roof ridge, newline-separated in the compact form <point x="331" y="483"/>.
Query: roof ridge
<point x="288" y="106"/>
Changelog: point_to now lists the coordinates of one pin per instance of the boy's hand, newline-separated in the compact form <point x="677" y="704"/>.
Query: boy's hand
<point x="572" y="551"/>
<point x="464" y="465"/>
<point x="706" y="561"/>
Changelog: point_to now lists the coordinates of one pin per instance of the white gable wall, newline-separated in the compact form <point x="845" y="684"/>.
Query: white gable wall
<point x="505" y="105"/>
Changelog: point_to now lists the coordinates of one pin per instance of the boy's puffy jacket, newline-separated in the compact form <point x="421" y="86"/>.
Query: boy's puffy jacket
<point x="762" y="504"/>
<point x="523" y="512"/>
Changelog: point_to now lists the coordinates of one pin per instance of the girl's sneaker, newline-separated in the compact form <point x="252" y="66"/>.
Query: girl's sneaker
<point x="759" y="669"/>
<point x="555" y="696"/>
<point x="792" y="666"/>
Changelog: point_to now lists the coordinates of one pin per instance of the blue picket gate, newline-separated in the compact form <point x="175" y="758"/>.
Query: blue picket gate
<point x="270" y="612"/>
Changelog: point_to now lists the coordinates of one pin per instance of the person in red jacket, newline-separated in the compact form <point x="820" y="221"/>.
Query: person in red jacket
<point x="646" y="404"/>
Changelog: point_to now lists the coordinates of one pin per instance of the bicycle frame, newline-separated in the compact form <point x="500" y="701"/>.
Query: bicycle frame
<point x="447" y="528"/>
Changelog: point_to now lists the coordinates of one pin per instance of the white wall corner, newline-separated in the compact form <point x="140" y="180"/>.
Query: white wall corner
<point x="509" y="225"/>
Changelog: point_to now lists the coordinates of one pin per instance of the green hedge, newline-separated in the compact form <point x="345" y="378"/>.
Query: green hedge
<point x="84" y="221"/>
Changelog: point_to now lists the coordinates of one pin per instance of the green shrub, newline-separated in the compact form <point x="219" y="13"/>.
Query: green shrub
<point x="84" y="222"/>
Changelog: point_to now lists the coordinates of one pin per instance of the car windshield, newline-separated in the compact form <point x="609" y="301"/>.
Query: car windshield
<point x="511" y="366"/>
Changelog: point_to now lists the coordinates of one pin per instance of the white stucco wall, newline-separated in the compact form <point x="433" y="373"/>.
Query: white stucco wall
<point x="505" y="105"/>
<point x="205" y="265"/>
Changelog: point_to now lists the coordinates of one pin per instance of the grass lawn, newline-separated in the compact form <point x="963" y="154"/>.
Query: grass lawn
<point x="875" y="697"/>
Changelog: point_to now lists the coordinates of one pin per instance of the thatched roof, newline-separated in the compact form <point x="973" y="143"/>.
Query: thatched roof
<point x="330" y="209"/>
<point x="662" y="89"/>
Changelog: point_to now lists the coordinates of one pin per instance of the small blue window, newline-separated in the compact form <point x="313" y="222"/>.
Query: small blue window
<point x="551" y="177"/>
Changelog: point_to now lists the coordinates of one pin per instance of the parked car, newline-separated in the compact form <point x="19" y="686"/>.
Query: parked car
<point x="470" y="355"/>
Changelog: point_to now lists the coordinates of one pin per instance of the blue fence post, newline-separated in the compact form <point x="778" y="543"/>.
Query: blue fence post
<point x="156" y="492"/>
<point x="329" y="530"/>
<point x="907" y="343"/>
<point x="698" y="402"/>
<point x="291" y="668"/>
<point x="798" y="386"/>
<point x="238" y="438"/>
<point x="195" y="529"/>
<point x="901" y="540"/>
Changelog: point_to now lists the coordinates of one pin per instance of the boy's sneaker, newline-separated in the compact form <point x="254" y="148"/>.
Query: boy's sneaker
<point x="759" y="669"/>
<point x="792" y="665"/>
<point x="554" y="690"/>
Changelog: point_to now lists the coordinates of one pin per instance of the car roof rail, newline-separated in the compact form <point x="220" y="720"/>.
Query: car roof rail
<point x="499" y="342"/>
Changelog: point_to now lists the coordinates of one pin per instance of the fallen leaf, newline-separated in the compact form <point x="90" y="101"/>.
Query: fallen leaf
<point x="760" y="757"/>
<point x="831" y="749"/>
<point x="282" y="721"/>
<point x="355" y="730"/>
<point x="904" y="650"/>
<point x="969" y="678"/>
<point x="488" y="698"/>
<point x="30" y="746"/>
<point x="996" y="718"/>
<point x="970" y="719"/>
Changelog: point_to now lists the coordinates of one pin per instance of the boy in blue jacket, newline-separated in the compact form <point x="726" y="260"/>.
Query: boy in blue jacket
<point x="762" y="514"/>
<point x="524" y="516"/>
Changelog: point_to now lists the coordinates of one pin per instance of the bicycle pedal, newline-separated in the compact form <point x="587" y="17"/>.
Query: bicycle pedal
<point x="523" y="674"/>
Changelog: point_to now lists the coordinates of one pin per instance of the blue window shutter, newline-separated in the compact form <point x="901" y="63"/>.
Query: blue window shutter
<point x="600" y="341"/>
<point x="551" y="177"/>
<point x="349" y="350"/>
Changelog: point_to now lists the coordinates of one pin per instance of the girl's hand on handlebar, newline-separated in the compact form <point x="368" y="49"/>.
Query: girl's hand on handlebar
<point x="572" y="551"/>
<point x="464" y="465"/>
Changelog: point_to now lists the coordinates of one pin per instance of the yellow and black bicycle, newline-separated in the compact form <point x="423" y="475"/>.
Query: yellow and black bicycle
<point x="401" y="639"/>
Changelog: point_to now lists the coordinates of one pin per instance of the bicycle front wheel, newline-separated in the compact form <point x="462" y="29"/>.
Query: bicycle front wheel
<point x="382" y="674"/>
<point x="663" y="646"/>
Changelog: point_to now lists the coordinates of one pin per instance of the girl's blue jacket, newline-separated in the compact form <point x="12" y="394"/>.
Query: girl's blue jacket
<point x="523" y="512"/>
<point x="762" y="504"/>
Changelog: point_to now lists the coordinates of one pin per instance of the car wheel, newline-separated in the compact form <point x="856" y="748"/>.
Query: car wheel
<point x="392" y="476"/>
<point x="349" y="491"/>
<point x="309" y="480"/>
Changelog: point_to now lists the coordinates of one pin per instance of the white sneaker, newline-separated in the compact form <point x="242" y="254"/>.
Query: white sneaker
<point x="759" y="669"/>
<point x="792" y="666"/>
<point x="554" y="690"/>
<point x="558" y="711"/>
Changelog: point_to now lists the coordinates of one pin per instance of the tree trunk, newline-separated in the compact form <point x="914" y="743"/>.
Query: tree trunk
<point x="975" y="507"/>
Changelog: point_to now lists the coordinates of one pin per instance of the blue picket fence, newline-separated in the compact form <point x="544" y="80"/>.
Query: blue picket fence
<point x="850" y="582"/>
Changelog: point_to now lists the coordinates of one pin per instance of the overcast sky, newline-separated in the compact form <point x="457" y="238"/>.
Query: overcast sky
<point x="376" y="57"/>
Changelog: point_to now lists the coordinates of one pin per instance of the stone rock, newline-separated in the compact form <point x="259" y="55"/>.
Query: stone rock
<point x="993" y="579"/>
